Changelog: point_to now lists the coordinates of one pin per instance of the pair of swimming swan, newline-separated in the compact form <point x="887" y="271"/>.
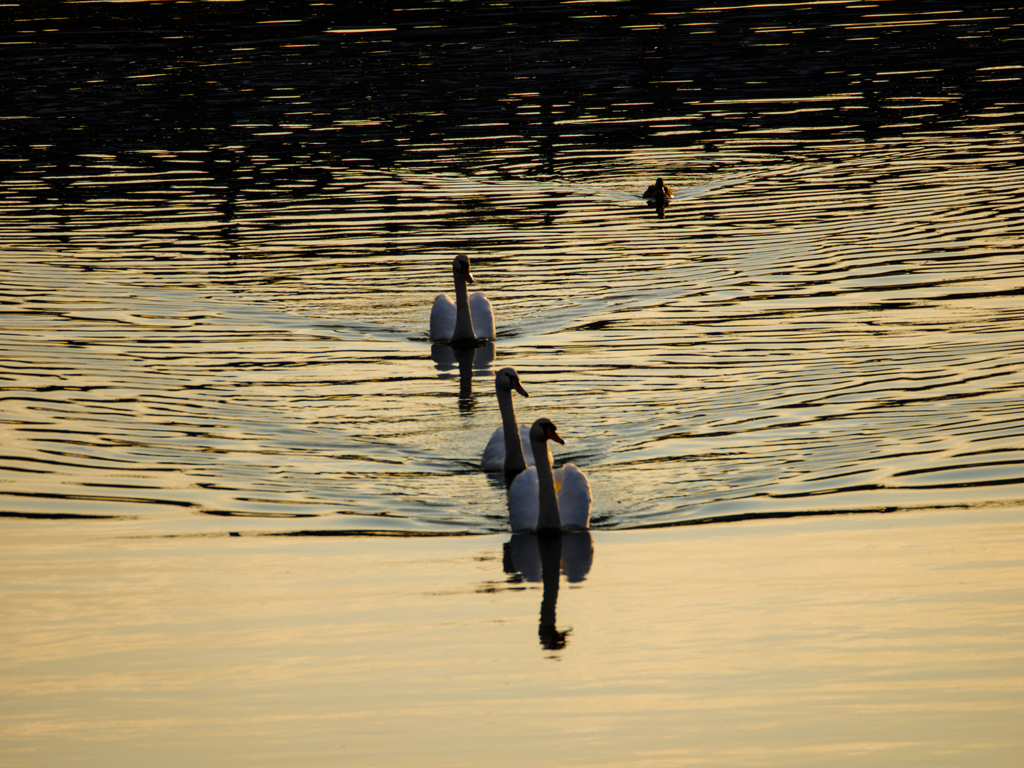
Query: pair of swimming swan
<point x="540" y="498"/>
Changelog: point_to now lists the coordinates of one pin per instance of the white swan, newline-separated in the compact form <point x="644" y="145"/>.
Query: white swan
<point x="509" y="448"/>
<point x="465" y="320"/>
<point x="541" y="499"/>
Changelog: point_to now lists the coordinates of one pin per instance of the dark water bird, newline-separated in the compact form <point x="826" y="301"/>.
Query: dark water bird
<point x="658" y="195"/>
<point x="659" y="189"/>
<point x="542" y="499"/>
<point x="509" y="448"/>
<point x="467" y="320"/>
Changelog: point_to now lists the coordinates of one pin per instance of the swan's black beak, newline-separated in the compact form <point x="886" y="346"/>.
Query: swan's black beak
<point x="465" y="273"/>
<point x="519" y="389"/>
<point x="552" y="435"/>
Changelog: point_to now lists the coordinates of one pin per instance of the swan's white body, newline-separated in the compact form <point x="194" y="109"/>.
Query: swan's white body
<point x="544" y="499"/>
<point x="468" y="318"/>
<point x="509" y="448"/>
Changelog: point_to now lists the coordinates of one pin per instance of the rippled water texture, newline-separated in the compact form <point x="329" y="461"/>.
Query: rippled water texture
<point x="222" y="235"/>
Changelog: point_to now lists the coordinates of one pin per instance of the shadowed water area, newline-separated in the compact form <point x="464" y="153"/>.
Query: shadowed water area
<point x="223" y="230"/>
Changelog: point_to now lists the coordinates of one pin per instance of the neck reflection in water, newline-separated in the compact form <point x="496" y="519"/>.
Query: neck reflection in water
<point x="471" y="361"/>
<point x="543" y="558"/>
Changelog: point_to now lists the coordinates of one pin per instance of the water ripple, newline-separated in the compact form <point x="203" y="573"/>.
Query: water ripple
<point x="215" y="296"/>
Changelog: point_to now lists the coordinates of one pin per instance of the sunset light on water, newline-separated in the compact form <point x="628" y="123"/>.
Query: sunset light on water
<point x="244" y="513"/>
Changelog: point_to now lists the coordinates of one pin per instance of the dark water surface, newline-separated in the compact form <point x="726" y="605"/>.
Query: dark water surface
<point x="222" y="230"/>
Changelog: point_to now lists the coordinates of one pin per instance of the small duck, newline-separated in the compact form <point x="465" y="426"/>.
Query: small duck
<point x="658" y="190"/>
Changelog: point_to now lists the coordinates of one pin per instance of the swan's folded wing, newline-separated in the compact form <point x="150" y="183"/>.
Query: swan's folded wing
<point x="574" y="497"/>
<point x="442" y="318"/>
<point x="523" y="501"/>
<point x="494" y="452"/>
<point x="483" y="316"/>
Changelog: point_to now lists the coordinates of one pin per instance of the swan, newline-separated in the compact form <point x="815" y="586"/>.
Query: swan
<point x="658" y="190"/>
<point x="541" y="499"/>
<point x="509" y="448"/>
<point x="467" y="319"/>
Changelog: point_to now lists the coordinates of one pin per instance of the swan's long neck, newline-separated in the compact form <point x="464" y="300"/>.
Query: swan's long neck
<point x="463" y="314"/>
<point x="548" y="519"/>
<point x="515" y="460"/>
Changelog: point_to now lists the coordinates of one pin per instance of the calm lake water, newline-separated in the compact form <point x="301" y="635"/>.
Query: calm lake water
<point x="222" y="229"/>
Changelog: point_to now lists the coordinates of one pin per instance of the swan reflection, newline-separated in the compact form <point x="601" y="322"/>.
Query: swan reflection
<point x="471" y="361"/>
<point x="544" y="558"/>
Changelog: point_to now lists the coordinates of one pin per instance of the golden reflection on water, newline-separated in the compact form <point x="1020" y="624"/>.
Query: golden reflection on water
<point x="888" y="638"/>
<point x="216" y="323"/>
<point x="775" y="351"/>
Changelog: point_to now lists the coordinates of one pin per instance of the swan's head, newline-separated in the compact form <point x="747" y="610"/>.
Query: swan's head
<point x="544" y="429"/>
<point x="460" y="266"/>
<point x="508" y="379"/>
